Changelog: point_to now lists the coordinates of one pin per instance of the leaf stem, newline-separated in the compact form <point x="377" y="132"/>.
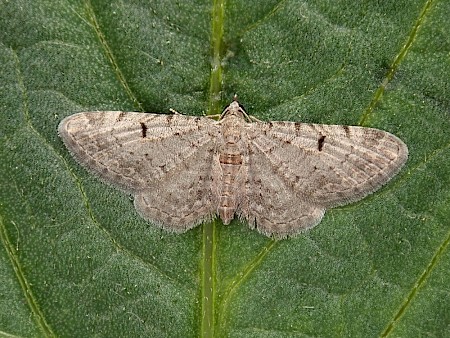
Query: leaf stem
<point x="208" y="285"/>
<point x="395" y="64"/>
<point x="215" y="86"/>
<point x="33" y="304"/>
<point x="110" y="55"/>
<point x="208" y="280"/>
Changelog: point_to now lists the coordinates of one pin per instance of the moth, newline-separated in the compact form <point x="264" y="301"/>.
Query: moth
<point x="278" y="176"/>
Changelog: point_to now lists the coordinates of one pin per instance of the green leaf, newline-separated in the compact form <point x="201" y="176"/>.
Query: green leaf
<point x="77" y="261"/>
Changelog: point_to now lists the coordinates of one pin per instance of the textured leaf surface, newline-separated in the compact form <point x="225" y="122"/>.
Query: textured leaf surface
<point x="77" y="260"/>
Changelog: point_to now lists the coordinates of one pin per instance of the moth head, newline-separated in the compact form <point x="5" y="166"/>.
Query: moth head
<point x="234" y="109"/>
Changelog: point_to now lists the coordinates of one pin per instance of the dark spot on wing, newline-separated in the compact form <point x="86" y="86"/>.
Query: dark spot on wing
<point x="197" y="121"/>
<point x="169" y="119"/>
<point x="120" y="116"/>
<point x="144" y="130"/>
<point x="347" y="130"/>
<point x="320" y="142"/>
